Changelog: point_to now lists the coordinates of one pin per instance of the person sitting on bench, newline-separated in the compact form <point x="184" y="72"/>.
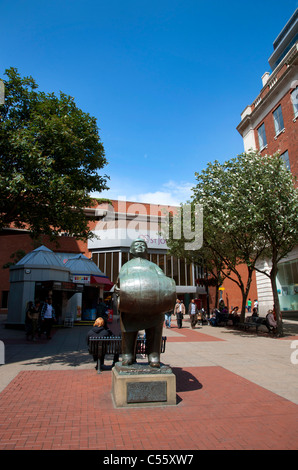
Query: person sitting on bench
<point x="271" y="322"/>
<point x="100" y="331"/>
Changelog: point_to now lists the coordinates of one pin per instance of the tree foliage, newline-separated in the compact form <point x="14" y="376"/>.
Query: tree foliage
<point x="205" y="257"/>
<point x="223" y="190"/>
<point x="252" y="201"/>
<point x="250" y="206"/>
<point x="50" y="158"/>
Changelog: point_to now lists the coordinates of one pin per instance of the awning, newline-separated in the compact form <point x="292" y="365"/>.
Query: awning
<point x="59" y="285"/>
<point x="102" y="281"/>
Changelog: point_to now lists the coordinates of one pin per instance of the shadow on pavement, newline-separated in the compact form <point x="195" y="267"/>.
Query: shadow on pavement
<point x="185" y="381"/>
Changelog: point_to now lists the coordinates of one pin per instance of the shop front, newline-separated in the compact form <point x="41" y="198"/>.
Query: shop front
<point x="61" y="293"/>
<point x="84" y="271"/>
<point x="75" y="285"/>
<point x="287" y="287"/>
<point x="39" y="273"/>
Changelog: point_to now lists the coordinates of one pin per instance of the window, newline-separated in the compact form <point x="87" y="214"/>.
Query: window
<point x="115" y="267"/>
<point x="182" y="272"/>
<point x="278" y="120"/>
<point x="108" y="270"/>
<point x="101" y="262"/>
<point x="153" y="258"/>
<point x="190" y="280"/>
<point x="161" y="262"/>
<point x="285" y="158"/>
<point x="294" y="99"/>
<point x="108" y="263"/>
<point x="95" y="258"/>
<point x="4" y="299"/>
<point x="287" y="285"/>
<point x="175" y="266"/>
<point x="169" y="265"/>
<point x="124" y="257"/>
<point x="262" y="136"/>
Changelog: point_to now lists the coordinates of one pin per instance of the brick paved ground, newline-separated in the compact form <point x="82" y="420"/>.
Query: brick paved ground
<point x="215" y="409"/>
<point x="53" y="404"/>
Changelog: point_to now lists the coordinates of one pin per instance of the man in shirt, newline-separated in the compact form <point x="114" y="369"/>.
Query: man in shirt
<point x="168" y="316"/>
<point x="179" y="311"/>
<point x="193" y="313"/>
<point x="48" y="316"/>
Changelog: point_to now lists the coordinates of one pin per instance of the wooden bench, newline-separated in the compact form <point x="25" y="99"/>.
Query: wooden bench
<point x="99" y="347"/>
<point x="68" y="321"/>
<point x="260" y="321"/>
<point x="246" y="325"/>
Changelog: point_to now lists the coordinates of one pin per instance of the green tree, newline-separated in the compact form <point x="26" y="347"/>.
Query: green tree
<point x="273" y="198"/>
<point x="50" y="159"/>
<point x="252" y="201"/>
<point x="228" y="233"/>
<point x="15" y="257"/>
<point x="208" y="261"/>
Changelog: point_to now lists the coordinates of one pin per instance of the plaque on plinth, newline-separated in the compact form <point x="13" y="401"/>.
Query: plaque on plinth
<point x="142" y="385"/>
<point x="144" y="294"/>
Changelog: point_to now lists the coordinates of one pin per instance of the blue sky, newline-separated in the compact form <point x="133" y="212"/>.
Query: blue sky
<point x="166" y="80"/>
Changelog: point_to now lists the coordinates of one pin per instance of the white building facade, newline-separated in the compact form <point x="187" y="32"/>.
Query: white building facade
<point x="120" y="223"/>
<point x="269" y="125"/>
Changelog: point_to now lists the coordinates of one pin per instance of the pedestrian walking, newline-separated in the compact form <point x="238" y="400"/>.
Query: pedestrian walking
<point x="102" y="311"/>
<point x="193" y="313"/>
<point x="168" y="317"/>
<point x="48" y="316"/>
<point x="33" y="315"/>
<point x="179" y="311"/>
<point x="100" y="331"/>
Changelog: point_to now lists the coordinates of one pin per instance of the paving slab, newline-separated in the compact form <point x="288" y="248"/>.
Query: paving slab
<point x="235" y="390"/>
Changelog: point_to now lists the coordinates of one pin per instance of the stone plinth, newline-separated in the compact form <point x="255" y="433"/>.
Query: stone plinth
<point x="142" y="385"/>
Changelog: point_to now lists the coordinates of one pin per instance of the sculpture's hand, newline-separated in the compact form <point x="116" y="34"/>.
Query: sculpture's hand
<point x="116" y="289"/>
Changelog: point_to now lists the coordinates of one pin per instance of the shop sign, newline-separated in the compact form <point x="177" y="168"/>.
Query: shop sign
<point x="68" y="286"/>
<point x="81" y="278"/>
<point x="79" y="312"/>
<point x="57" y="285"/>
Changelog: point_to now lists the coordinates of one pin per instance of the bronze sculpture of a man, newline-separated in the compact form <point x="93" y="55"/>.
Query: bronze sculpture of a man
<point x="144" y="293"/>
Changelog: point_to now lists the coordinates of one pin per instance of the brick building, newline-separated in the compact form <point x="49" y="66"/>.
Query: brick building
<point x="122" y="222"/>
<point x="116" y="226"/>
<point x="269" y="125"/>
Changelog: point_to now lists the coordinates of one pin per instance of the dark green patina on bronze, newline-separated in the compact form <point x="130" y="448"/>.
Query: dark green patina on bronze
<point x="144" y="294"/>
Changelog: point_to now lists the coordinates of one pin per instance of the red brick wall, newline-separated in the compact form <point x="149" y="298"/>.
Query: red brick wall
<point x="232" y="294"/>
<point x="287" y="140"/>
<point x="266" y="89"/>
<point x="9" y="244"/>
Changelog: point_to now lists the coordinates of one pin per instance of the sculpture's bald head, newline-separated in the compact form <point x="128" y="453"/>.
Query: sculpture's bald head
<point x="139" y="248"/>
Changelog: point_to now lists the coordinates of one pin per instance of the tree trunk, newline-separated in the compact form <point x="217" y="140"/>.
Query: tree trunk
<point x="245" y="293"/>
<point x="273" y="274"/>
<point x="244" y="298"/>
<point x="216" y="296"/>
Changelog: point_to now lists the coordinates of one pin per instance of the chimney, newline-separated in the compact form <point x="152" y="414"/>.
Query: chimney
<point x="265" y="78"/>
